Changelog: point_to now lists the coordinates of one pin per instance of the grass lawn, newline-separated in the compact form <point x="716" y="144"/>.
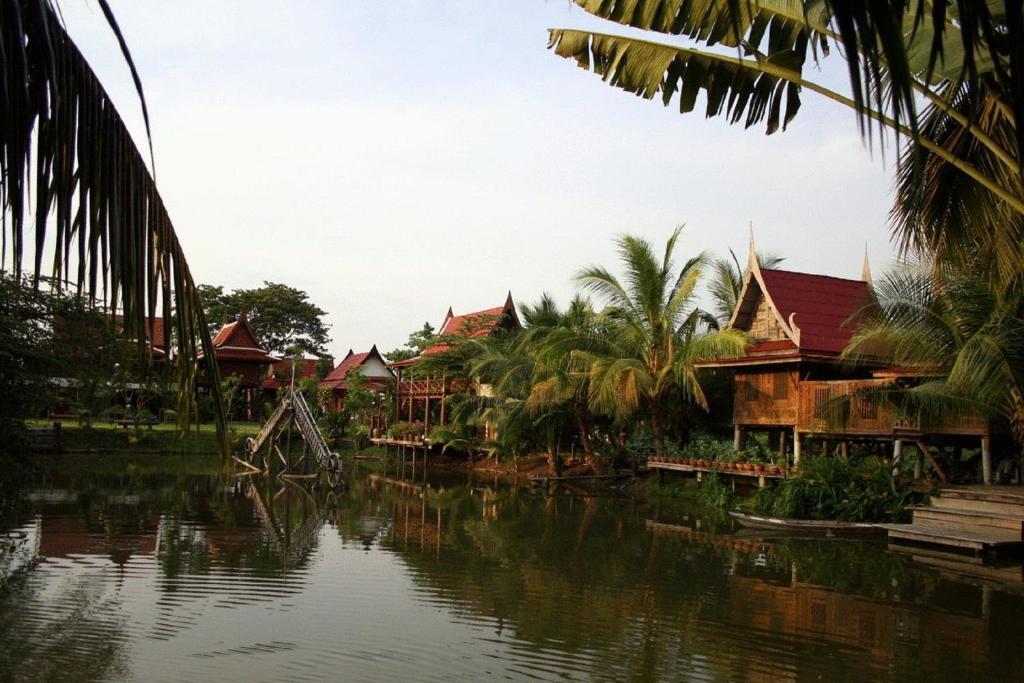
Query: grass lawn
<point x="164" y="437"/>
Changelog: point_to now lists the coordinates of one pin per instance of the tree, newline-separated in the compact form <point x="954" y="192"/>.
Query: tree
<point x="283" y="317"/>
<point x="418" y="340"/>
<point x="958" y="329"/>
<point x="897" y="53"/>
<point x="654" y="337"/>
<point x="66" y="153"/>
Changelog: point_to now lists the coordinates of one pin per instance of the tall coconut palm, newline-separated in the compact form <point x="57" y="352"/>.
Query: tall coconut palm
<point x="560" y="382"/>
<point x="956" y="328"/>
<point x="726" y="284"/>
<point x="654" y="341"/>
<point x="896" y="52"/>
<point x="74" y="179"/>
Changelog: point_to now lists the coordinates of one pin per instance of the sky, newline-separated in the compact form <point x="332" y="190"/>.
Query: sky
<point x="393" y="159"/>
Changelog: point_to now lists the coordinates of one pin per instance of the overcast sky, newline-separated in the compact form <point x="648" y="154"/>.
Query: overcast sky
<point x="395" y="158"/>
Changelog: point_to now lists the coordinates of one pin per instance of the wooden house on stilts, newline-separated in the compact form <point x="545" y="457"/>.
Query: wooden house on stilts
<point x="788" y="379"/>
<point x="422" y="397"/>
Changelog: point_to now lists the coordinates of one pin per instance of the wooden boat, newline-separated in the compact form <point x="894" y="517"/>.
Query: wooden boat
<point x="825" y="527"/>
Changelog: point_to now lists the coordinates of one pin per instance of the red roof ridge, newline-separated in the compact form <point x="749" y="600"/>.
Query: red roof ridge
<point x="814" y="275"/>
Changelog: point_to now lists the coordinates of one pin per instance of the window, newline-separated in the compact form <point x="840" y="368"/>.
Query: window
<point x="780" y="386"/>
<point x="868" y="410"/>
<point x="821" y="397"/>
<point x="751" y="393"/>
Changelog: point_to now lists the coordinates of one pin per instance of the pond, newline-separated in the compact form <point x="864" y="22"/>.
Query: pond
<point x="169" y="577"/>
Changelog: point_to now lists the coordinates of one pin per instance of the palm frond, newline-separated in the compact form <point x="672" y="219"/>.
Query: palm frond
<point x="751" y="90"/>
<point x="96" y="205"/>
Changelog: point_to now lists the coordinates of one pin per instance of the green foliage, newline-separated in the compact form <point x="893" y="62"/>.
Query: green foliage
<point x="334" y="424"/>
<point x="283" y="317"/>
<point x="715" y="493"/>
<point x="837" y="489"/>
<point x="418" y="340"/>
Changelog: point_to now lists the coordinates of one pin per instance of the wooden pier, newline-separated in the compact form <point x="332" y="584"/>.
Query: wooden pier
<point x="974" y="519"/>
<point x="761" y="478"/>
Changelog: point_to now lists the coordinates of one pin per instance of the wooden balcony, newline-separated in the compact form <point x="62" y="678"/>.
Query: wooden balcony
<point x="431" y="388"/>
<point x="811" y="407"/>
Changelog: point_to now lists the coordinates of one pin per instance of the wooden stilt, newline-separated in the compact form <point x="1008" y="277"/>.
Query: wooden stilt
<point x="986" y="460"/>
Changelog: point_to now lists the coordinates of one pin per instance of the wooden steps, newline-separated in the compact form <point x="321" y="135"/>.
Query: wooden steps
<point x="987" y="524"/>
<point x="973" y="519"/>
<point x="969" y="541"/>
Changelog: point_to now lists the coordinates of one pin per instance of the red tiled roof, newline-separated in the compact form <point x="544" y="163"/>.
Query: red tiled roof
<point x="237" y="341"/>
<point x="821" y="306"/>
<point x="156" y="333"/>
<point x="336" y="378"/>
<point x="307" y="368"/>
<point x="467" y="326"/>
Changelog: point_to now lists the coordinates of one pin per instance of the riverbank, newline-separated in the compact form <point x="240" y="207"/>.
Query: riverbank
<point x="158" y="439"/>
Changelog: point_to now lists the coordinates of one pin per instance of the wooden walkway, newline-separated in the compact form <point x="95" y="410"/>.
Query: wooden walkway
<point x="291" y="411"/>
<point x="761" y="478"/>
<point x="976" y="519"/>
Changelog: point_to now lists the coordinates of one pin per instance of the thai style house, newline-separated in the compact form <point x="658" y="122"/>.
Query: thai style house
<point x="238" y="352"/>
<point x="787" y="380"/>
<point x="420" y="396"/>
<point x="369" y="364"/>
<point x="279" y="375"/>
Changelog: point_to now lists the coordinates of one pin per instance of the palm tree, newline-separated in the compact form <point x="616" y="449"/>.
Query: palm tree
<point x="69" y="165"/>
<point x="956" y="328"/>
<point x="654" y="336"/>
<point x="727" y="284"/>
<point x="896" y="52"/>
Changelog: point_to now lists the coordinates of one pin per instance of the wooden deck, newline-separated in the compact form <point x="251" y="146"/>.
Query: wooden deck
<point x="977" y="519"/>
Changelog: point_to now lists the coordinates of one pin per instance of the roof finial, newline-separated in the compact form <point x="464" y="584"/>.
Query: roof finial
<point x="243" y="315"/>
<point x="752" y="250"/>
<point x="865" y="273"/>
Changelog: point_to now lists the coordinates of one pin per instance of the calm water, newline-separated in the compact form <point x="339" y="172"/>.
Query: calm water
<point x="205" y="578"/>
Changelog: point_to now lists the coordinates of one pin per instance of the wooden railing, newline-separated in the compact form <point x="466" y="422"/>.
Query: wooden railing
<point x="821" y="413"/>
<point x="433" y="388"/>
<point x="311" y="433"/>
<point x="293" y="406"/>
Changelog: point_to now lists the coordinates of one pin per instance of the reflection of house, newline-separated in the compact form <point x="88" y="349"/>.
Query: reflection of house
<point x="369" y="364"/>
<point x="884" y="631"/>
<point x="66" y="536"/>
<point x="420" y="397"/>
<point x="787" y="379"/>
<point x="239" y="353"/>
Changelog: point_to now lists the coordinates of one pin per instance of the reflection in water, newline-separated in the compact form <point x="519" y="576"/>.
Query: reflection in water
<point x="268" y="579"/>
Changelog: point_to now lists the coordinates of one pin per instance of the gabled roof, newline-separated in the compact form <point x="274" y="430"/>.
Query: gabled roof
<point x="818" y="308"/>
<point x="336" y="378"/>
<point x="816" y="313"/>
<point x="237" y="341"/>
<point x="476" y="324"/>
<point x="156" y="333"/>
<point x="306" y="367"/>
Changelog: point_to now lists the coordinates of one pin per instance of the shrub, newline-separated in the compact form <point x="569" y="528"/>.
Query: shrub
<point x="714" y="492"/>
<point x="837" y="489"/>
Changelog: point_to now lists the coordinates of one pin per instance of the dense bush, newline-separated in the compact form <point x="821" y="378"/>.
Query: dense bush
<point x="837" y="489"/>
